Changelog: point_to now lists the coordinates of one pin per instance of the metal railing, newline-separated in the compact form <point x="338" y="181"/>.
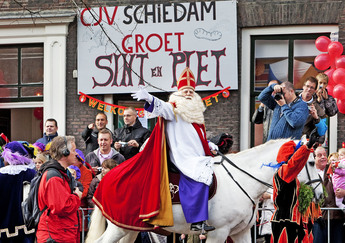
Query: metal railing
<point x="84" y="216"/>
<point x="322" y="209"/>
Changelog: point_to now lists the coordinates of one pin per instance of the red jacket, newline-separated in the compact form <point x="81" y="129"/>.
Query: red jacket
<point x="61" y="216"/>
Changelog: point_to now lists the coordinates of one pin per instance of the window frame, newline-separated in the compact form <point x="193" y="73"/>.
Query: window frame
<point x="20" y="84"/>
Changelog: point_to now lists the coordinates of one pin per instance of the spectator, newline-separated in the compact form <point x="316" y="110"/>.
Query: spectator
<point x="57" y="192"/>
<point x="326" y="101"/>
<point x="333" y="157"/>
<point x="90" y="133"/>
<point x="336" y="217"/>
<point x="263" y="115"/>
<point x="338" y="179"/>
<point x="133" y="133"/>
<point x="265" y="228"/>
<point x="107" y="165"/>
<point x="316" y="113"/>
<point x="75" y="173"/>
<point x="85" y="176"/>
<point x="105" y="151"/>
<point x="341" y="153"/>
<point x="18" y="168"/>
<point x="51" y="128"/>
<point x="39" y="160"/>
<point x="289" y="112"/>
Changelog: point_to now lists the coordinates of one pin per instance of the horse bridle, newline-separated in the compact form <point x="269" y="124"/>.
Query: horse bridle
<point x="310" y="181"/>
<point x="238" y="184"/>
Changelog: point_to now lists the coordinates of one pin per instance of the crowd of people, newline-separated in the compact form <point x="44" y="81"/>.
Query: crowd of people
<point x="291" y="115"/>
<point x="70" y="178"/>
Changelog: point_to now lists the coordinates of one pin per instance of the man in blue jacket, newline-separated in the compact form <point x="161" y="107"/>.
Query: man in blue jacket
<point x="289" y="111"/>
<point x="50" y="128"/>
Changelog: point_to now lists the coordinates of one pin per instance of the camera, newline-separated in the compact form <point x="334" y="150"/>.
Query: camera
<point x="278" y="96"/>
<point x="123" y="144"/>
<point x="320" y="86"/>
<point x="99" y="169"/>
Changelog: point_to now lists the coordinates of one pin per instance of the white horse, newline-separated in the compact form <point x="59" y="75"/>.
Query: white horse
<point x="231" y="211"/>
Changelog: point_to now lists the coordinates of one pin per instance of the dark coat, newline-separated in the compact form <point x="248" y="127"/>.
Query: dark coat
<point x="93" y="186"/>
<point x="127" y="133"/>
<point x="90" y="137"/>
<point x="46" y="138"/>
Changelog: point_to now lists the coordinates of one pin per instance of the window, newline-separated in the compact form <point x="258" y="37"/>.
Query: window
<point x="282" y="58"/>
<point x="21" y="73"/>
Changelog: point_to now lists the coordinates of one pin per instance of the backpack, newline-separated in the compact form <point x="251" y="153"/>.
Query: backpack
<point x="30" y="209"/>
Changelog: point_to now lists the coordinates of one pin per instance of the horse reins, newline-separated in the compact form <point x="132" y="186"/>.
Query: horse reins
<point x="238" y="184"/>
<point x="245" y="172"/>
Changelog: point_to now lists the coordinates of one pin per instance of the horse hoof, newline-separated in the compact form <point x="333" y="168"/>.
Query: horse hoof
<point x="202" y="237"/>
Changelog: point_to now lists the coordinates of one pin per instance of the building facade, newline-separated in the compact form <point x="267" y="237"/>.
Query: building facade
<point x="39" y="43"/>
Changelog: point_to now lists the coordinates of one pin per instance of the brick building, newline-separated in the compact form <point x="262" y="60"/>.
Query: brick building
<point x="268" y="32"/>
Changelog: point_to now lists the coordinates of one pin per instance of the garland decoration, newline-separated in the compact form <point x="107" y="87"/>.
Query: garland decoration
<point x="118" y="110"/>
<point x="305" y="197"/>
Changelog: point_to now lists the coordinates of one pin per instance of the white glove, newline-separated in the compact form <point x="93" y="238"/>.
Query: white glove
<point x="212" y="146"/>
<point x="142" y="94"/>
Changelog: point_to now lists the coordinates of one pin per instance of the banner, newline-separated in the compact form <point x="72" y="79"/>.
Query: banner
<point x="118" y="110"/>
<point x="123" y="47"/>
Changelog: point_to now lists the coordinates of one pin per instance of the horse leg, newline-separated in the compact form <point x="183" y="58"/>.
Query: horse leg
<point x="114" y="234"/>
<point x="242" y="237"/>
<point x="218" y="235"/>
<point x="97" y="226"/>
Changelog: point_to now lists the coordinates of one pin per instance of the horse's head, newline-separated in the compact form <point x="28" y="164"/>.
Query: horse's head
<point x="310" y="177"/>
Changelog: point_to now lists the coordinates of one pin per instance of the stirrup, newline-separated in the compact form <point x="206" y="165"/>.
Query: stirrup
<point x="201" y="226"/>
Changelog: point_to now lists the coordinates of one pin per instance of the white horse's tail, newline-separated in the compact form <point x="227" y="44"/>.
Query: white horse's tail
<point x="97" y="226"/>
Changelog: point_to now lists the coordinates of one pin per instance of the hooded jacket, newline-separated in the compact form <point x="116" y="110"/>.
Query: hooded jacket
<point x="60" y="220"/>
<point x="46" y="138"/>
<point x="94" y="161"/>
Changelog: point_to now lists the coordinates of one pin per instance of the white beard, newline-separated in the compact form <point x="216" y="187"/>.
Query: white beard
<point x="190" y="110"/>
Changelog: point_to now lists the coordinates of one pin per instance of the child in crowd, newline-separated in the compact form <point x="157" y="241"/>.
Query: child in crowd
<point x="75" y="172"/>
<point x="39" y="160"/>
<point x="107" y="165"/>
<point x="326" y="101"/>
<point x="333" y="157"/>
<point x="338" y="177"/>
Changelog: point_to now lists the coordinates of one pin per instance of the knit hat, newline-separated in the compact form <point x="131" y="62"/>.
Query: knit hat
<point x="77" y="171"/>
<point x="186" y="80"/>
<point x="39" y="146"/>
<point x="285" y="151"/>
<point x="17" y="153"/>
<point x="80" y="156"/>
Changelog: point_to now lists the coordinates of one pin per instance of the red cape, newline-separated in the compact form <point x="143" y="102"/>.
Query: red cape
<point x="137" y="191"/>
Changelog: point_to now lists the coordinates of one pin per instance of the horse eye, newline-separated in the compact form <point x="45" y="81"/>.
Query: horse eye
<point x="311" y="163"/>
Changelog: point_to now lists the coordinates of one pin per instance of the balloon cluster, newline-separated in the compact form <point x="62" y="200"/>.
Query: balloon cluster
<point x="334" y="64"/>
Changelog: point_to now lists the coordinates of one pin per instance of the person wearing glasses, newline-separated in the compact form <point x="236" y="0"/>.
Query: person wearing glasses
<point x="316" y="113"/>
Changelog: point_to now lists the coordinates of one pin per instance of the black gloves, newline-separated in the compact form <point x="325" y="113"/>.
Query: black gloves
<point x="313" y="138"/>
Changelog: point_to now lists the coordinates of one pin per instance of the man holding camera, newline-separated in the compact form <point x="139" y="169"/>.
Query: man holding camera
<point x="289" y="111"/>
<point x="130" y="137"/>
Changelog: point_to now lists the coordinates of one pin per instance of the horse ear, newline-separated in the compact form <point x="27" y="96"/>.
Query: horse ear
<point x="304" y="139"/>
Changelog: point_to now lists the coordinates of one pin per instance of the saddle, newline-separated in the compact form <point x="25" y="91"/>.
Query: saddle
<point x="174" y="179"/>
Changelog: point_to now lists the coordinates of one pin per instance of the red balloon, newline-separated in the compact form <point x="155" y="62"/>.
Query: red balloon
<point x="330" y="89"/>
<point x="322" y="43"/>
<point x="341" y="106"/>
<point x="339" y="76"/>
<point x="340" y="62"/>
<point x="335" y="49"/>
<point x="339" y="91"/>
<point x="329" y="73"/>
<point x="322" y="61"/>
<point x="38" y="113"/>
